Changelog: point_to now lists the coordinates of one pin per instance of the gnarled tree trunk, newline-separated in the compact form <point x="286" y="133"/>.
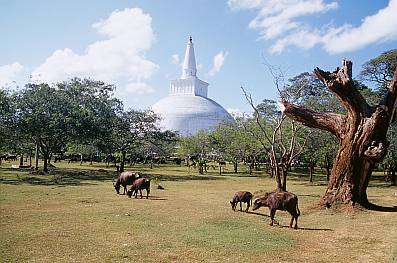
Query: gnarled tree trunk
<point x="361" y="132"/>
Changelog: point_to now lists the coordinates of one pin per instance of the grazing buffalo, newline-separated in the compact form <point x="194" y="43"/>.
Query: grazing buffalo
<point x="140" y="184"/>
<point x="284" y="201"/>
<point x="241" y="197"/>
<point x="125" y="178"/>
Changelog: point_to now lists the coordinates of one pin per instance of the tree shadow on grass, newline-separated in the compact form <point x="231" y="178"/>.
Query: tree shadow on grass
<point x="45" y="181"/>
<point x="299" y="228"/>
<point x="179" y="178"/>
<point x="308" y="228"/>
<point x="258" y="214"/>
<point x="151" y="198"/>
<point x="375" y="207"/>
<point x="58" y="177"/>
<point x="77" y="177"/>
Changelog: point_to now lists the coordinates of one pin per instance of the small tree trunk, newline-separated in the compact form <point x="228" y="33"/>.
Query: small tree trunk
<point x="235" y="164"/>
<point x="311" y="168"/>
<point x="200" y="167"/>
<point x="45" y="165"/>
<point x="284" y="174"/>
<point x="220" y="169"/>
<point x="393" y="176"/>
<point x="21" y="160"/>
<point x="122" y="163"/>
<point x="327" y="167"/>
<point x="36" y="157"/>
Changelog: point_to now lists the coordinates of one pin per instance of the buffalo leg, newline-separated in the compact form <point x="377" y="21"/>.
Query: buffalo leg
<point x="292" y="221"/>
<point x="296" y="222"/>
<point x="248" y="206"/>
<point x="136" y="193"/>
<point x="241" y="207"/>
<point x="147" y="193"/>
<point x="140" y="191"/>
<point x="272" y="213"/>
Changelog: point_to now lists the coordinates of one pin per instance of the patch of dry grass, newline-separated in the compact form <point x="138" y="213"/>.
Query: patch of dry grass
<point x="77" y="216"/>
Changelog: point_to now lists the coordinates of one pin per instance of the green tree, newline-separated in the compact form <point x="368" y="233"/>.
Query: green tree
<point x="231" y="142"/>
<point x="44" y="116"/>
<point x="380" y="70"/>
<point x="7" y="121"/>
<point x="130" y="129"/>
<point x="195" y="150"/>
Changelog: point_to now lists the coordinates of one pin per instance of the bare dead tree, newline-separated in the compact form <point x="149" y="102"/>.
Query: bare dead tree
<point x="281" y="150"/>
<point x="361" y="132"/>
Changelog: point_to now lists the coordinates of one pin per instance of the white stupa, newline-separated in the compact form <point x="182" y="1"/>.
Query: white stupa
<point x="187" y="109"/>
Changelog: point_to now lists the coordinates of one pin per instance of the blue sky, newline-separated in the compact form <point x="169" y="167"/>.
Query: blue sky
<point x="136" y="44"/>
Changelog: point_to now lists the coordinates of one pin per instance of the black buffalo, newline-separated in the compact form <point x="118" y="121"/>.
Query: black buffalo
<point x="125" y="178"/>
<point x="241" y="197"/>
<point x="284" y="201"/>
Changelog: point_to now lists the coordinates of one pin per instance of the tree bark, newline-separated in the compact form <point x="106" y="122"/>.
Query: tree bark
<point x="284" y="174"/>
<point x="21" y="160"/>
<point x="235" y="166"/>
<point x="45" y="163"/>
<point x="122" y="163"/>
<point x="327" y="167"/>
<point x="311" y="168"/>
<point x="361" y="132"/>
<point x="36" y="157"/>
<point x="393" y="176"/>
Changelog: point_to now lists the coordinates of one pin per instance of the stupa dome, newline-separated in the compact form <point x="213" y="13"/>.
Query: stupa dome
<point x="187" y="109"/>
<point x="190" y="114"/>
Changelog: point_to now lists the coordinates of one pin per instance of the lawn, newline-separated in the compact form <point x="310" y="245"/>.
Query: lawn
<point x="75" y="215"/>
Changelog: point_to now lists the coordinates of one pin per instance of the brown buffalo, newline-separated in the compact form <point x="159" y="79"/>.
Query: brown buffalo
<point x="140" y="184"/>
<point x="125" y="178"/>
<point x="284" y="201"/>
<point x="241" y="197"/>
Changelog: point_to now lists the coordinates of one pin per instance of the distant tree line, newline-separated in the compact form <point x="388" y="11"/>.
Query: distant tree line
<point x="79" y="118"/>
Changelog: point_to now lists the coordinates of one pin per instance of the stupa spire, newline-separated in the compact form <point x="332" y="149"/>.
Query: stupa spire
<point x="189" y="64"/>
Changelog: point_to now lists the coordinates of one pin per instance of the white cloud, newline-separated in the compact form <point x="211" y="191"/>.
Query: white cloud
<point x="244" y="4"/>
<point x="379" y="27"/>
<point x="139" y="88"/>
<point x="120" y="57"/>
<point x="9" y="73"/>
<point x="175" y="59"/>
<point x="219" y="60"/>
<point x="279" y="21"/>
<point x="276" y="17"/>
<point x="235" y="112"/>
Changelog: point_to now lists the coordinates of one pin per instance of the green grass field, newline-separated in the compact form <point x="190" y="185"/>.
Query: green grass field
<point x="75" y="215"/>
